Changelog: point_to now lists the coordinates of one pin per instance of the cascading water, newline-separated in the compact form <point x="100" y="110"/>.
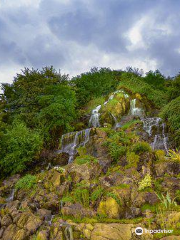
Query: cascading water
<point x="94" y="119"/>
<point x="135" y="111"/>
<point x="71" y="141"/>
<point x="11" y="196"/>
<point x="160" y="138"/>
<point x="68" y="232"/>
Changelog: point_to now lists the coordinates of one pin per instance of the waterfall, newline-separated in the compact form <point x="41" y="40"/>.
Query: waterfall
<point x="94" y="119"/>
<point x="160" y="140"/>
<point x="11" y="196"/>
<point x="68" y="232"/>
<point x="50" y="220"/>
<point x="135" y="111"/>
<point x="71" y="141"/>
<point x="117" y="124"/>
<point x="149" y="123"/>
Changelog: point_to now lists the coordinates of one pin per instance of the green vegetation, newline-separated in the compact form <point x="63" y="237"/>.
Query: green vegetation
<point x="132" y="159"/>
<point x="20" y="147"/>
<point x="97" y="194"/>
<point x="85" y="159"/>
<point x="145" y="183"/>
<point x="44" y="104"/>
<point x="141" y="147"/>
<point x="26" y="182"/>
<point x="94" y="84"/>
<point x="136" y="84"/>
<point x="167" y="202"/>
<point x="82" y="196"/>
<point x="170" y="113"/>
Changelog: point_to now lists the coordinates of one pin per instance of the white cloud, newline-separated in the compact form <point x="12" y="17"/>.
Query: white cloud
<point x="7" y="4"/>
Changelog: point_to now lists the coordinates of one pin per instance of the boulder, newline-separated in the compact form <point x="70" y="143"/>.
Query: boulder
<point x="83" y="172"/>
<point x="44" y="214"/>
<point x="77" y="210"/>
<point x="109" y="208"/>
<point x="6" y="220"/>
<point x="43" y="235"/>
<point x="171" y="238"/>
<point x="112" y="231"/>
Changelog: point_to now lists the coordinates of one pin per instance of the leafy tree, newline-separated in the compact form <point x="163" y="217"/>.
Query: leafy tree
<point x="156" y="79"/>
<point x="174" y="88"/>
<point x="95" y="83"/>
<point x="43" y="99"/>
<point x="20" y="147"/>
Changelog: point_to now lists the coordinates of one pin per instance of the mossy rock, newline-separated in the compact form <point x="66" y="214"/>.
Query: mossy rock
<point x="109" y="208"/>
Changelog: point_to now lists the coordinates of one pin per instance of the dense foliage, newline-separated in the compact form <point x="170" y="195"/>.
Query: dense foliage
<point x="171" y="114"/>
<point x="137" y="84"/>
<point x="19" y="146"/>
<point x="93" y="84"/>
<point x="40" y="105"/>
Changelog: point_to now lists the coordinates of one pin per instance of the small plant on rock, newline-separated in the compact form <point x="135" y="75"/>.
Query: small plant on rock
<point x="145" y="183"/>
<point x="85" y="159"/>
<point x="174" y="156"/>
<point x="141" y="147"/>
<point x="27" y="182"/>
<point x="167" y="202"/>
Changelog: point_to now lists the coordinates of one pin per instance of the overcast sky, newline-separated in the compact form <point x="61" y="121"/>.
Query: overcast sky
<point x="75" y="35"/>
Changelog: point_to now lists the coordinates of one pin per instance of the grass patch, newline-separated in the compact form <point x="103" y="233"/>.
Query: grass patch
<point x="85" y="159"/>
<point x="27" y="182"/>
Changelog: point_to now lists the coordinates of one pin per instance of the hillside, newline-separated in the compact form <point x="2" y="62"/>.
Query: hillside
<point x="92" y="157"/>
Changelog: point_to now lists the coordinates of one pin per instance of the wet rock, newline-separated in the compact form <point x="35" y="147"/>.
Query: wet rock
<point x="77" y="210"/>
<point x="52" y="203"/>
<point x="171" y="183"/>
<point x="137" y="198"/>
<point x="43" y="235"/>
<point x="151" y="198"/>
<point x="61" y="159"/>
<point x="54" y="179"/>
<point x="171" y="238"/>
<point x="44" y="214"/>
<point x="28" y="221"/>
<point x="8" y="184"/>
<point x="109" y="208"/>
<point x="171" y="168"/>
<point x="111" y="231"/>
<point x="2" y="231"/>
<point x="83" y="172"/>
<point x="12" y="232"/>
<point x="6" y="220"/>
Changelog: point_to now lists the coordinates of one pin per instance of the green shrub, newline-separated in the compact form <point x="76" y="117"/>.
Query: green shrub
<point x="27" y="182"/>
<point x="167" y="202"/>
<point x="170" y="113"/>
<point x="145" y="183"/>
<point x="130" y="124"/>
<point x="85" y="159"/>
<point x="82" y="196"/>
<point x="113" y="195"/>
<point x="136" y="84"/>
<point x="94" y="84"/>
<point x="96" y="194"/>
<point x="67" y="199"/>
<point x="141" y="147"/>
<point x="22" y="146"/>
<point x="132" y="159"/>
<point x="117" y="151"/>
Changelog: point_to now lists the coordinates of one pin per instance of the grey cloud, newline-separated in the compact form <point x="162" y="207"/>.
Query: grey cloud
<point x="50" y="33"/>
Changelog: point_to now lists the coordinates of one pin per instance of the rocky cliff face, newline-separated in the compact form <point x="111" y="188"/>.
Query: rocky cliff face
<point x="104" y="181"/>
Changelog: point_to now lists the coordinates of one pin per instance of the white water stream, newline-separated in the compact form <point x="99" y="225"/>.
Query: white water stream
<point x="71" y="141"/>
